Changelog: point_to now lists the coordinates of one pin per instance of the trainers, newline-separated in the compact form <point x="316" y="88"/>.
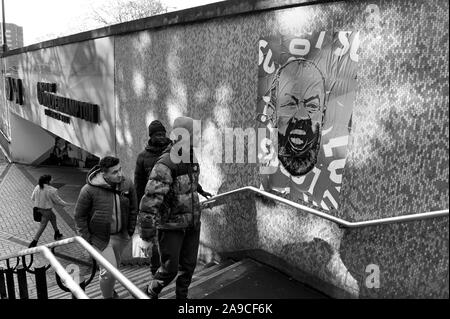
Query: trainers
<point x="149" y="292"/>
<point x="114" y="296"/>
<point x="32" y="244"/>
<point x="57" y="236"/>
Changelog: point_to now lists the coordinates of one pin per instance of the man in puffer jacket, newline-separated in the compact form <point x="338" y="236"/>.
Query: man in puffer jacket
<point x="157" y="143"/>
<point x="171" y="205"/>
<point x="105" y="215"/>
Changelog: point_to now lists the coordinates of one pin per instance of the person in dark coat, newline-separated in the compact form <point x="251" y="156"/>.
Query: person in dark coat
<point x="171" y="205"/>
<point x="157" y="143"/>
<point x="105" y="215"/>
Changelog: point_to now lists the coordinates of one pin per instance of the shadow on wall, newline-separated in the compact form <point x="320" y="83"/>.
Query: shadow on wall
<point x="317" y="251"/>
<point x="308" y="244"/>
<point x="229" y="226"/>
<point x="408" y="260"/>
<point x="174" y="72"/>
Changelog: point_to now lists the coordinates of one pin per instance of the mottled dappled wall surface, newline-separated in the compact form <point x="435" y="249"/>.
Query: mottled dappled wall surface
<point x="397" y="161"/>
<point x="398" y="153"/>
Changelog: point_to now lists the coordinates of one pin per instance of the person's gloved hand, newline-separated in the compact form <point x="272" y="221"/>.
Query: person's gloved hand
<point x="206" y="194"/>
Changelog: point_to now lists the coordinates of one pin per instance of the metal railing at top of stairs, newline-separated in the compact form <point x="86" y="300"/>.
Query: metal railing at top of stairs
<point x="66" y="278"/>
<point x="341" y="222"/>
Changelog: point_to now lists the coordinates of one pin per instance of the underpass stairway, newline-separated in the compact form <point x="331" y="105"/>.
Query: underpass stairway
<point x="244" y="279"/>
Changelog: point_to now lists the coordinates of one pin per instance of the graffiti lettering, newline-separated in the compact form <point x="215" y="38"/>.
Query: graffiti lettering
<point x="333" y="143"/>
<point x="299" y="47"/>
<point x="302" y="47"/>
<point x="266" y="59"/>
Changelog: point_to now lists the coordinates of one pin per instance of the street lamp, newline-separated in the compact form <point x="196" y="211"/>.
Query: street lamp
<point x="5" y="46"/>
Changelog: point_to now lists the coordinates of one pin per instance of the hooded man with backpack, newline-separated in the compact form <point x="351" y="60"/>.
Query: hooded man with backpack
<point x="171" y="205"/>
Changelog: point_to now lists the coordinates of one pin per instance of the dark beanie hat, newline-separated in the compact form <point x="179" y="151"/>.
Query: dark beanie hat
<point x="155" y="126"/>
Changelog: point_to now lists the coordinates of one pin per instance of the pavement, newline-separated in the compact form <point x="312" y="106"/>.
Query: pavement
<point x="17" y="227"/>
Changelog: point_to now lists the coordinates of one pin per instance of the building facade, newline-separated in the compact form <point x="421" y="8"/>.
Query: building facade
<point x="14" y="35"/>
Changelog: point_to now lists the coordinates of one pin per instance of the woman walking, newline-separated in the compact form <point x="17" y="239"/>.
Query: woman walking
<point x="44" y="197"/>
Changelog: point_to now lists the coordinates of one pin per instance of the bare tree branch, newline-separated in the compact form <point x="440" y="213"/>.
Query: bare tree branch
<point x="118" y="11"/>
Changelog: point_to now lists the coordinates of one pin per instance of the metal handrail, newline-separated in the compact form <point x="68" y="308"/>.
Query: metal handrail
<point x="65" y="277"/>
<point x="341" y="222"/>
<point x="135" y="291"/>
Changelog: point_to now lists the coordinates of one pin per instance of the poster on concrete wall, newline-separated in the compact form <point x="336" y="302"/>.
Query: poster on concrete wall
<point x="306" y="89"/>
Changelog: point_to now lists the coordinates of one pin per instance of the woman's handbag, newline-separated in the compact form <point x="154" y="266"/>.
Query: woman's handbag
<point x="37" y="215"/>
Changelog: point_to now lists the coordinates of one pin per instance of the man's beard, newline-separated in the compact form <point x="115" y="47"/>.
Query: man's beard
<point x="296" y="159"/>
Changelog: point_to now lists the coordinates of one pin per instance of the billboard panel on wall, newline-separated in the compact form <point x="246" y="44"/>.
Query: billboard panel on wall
<point x="69" y="91"/>
<point x="306" y="89"/>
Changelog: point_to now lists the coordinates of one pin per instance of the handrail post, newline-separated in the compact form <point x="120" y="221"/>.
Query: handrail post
<point x="2" y="284"/>
<point x="41" y="282"/>
<point x="22" y="281"/>
<point x="10" y="283"/>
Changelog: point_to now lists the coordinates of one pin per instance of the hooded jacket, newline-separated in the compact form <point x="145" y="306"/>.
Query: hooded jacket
<point x="102" y="210"/>
<point x="144" y="164"/>
<point x="171" y="197"/>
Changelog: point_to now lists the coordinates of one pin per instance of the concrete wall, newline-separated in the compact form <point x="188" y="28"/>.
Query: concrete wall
<point x="397" y="161"/>
<point x="398" y="154"/>
<point x="82" y="71"/>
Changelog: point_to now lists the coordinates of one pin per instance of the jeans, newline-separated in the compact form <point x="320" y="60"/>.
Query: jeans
<point x="47" y="215"/>
<point x="154" y="257"/>
<point x="111" y="253"/>
<point x="178" y="253"/>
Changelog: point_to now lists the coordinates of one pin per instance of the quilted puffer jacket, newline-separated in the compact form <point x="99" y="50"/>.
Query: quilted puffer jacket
<point x="171" y="197"/>
<point x="101" y="210"/>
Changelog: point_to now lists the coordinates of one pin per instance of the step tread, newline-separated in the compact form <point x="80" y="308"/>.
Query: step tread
<point x="137" y="274"/>
<point x="209" y="277"/>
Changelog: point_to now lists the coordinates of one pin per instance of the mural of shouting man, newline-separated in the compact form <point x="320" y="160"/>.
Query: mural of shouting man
<point x="298" y="103"/>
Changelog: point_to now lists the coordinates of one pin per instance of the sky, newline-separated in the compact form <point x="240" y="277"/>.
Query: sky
<point x="42" y="18"/>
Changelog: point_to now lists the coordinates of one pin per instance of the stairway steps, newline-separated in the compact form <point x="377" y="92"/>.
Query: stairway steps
<point x="252" y="280"/>
<point x="207" y="271"/>
<point x="210" y="276"/>
<point x="246" y="279"/>
<point x="200" y="272"/>
<point x="139" y="275"/>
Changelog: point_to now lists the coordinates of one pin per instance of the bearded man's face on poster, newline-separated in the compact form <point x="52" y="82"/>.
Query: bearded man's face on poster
<point x="300" y="110"/>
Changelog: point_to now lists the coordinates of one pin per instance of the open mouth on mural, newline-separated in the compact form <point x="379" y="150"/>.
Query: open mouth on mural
<point x="299" y="147"/>
<point x="301" y="136"/>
